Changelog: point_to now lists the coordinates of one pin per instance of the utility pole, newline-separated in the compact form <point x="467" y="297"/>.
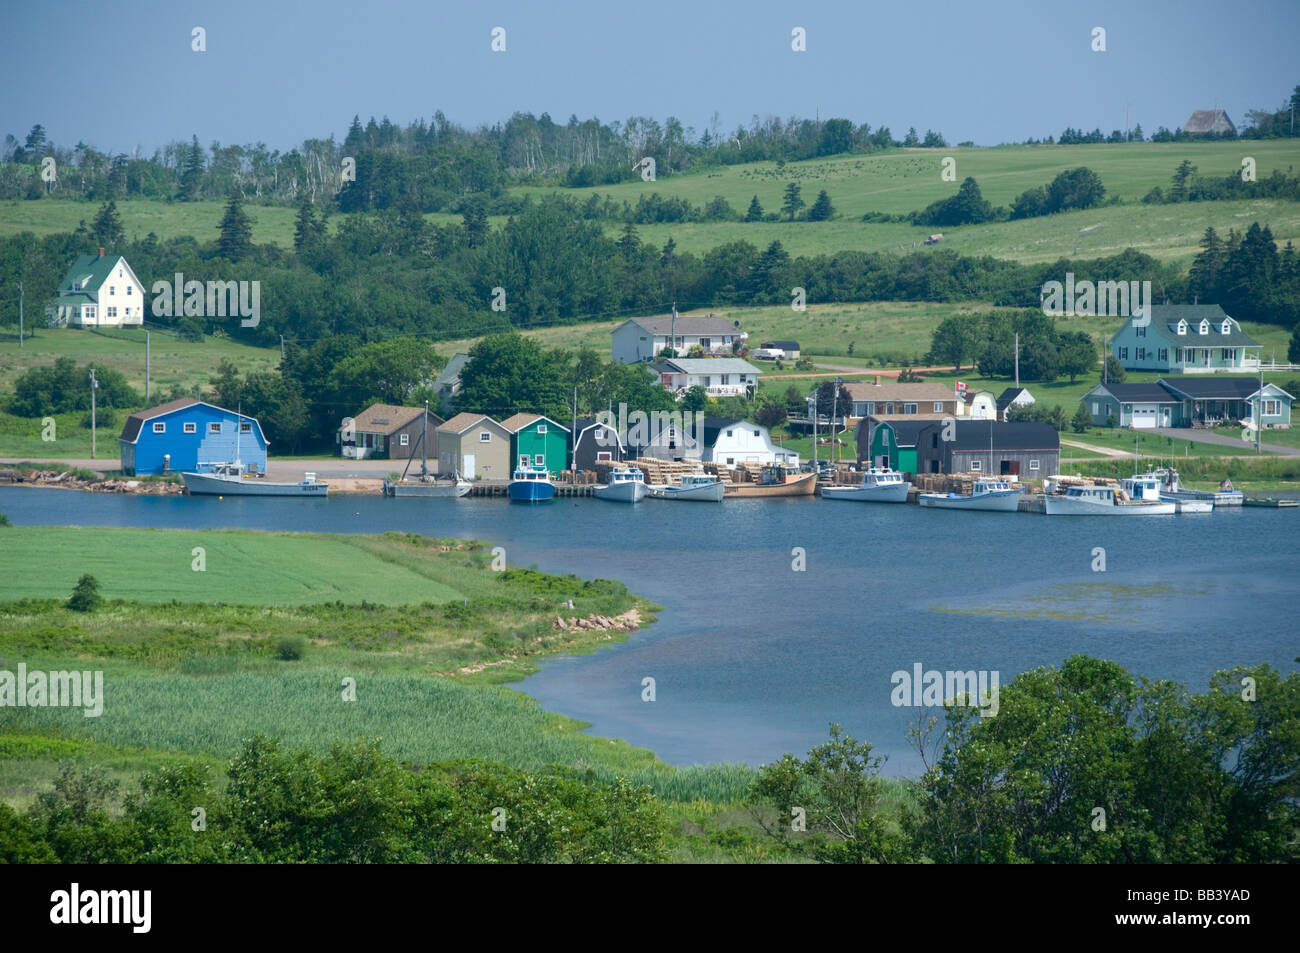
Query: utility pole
<point x="1259" y="417"/>
<point x="1017" y="359"/>
<point x="573" y="434"/>
<point x="835" y="401"/>
<point x="672" y="338"/>
<point x="812" y="401"/>
<point x="20" y="315"/>
<point x="94" y="385"/>
<point x="146" y="365"/>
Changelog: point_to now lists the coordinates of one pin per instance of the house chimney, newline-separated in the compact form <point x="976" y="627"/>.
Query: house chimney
<point x="101" y="253"/>
<point x="877" y="380"/>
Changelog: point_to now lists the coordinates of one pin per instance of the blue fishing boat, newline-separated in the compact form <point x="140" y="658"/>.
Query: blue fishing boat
<point x="531" y="486"/>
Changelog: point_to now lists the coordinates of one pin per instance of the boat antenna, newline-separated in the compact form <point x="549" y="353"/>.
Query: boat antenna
<point x="424" y="444"/>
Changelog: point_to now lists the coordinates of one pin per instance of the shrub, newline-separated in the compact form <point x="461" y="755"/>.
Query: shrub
<point x="85" y="597"/>
<point x="290" y="648"/>
<point x="5" y="521"/>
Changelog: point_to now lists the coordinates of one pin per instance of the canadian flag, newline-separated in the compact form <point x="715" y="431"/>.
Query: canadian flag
<point x="961" y="387"/>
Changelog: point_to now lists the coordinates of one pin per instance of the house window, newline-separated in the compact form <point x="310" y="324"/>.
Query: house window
<point x="88" y="311"/>
<point x="1141" y="331"/>
<point x="214" y="426"/>
<point x="112" y="312"/>
<point x="868" y="408"/>
<point x="730" y="460"/>
<point x="757" y="434"/>
<point x="1033" y="464"/>
<point x="160" y="427"/>
<point x="1272" y="408"/>
<point x="404" y="440"/>
<point x="245" y="427"/>
<point x="541" y="428"/>
<point x="1141" y="354"/>
<point x="1164" y="354"/>
<point x="484" y="436"/>
<point x="604" y="455"/>
<point x="1096" y="408"/>
<point x="1123" y="354"/>
<point x="128" y="291"/>
<point x="1182" y="327"/>
<point x="539" y="461"/>
<point x="191" y="428"/>
<point x="1227" y="354"/>
<point x="706" y="343"/>
<point x="909" y="408"/>
<point x="728" y="433"/>
<point x="974" y="465"/>
<point x="1205" y="327"/>
<point x="1227" y="327"/>
<point x="934" y="441"/>
<point x="524" y="461"/>
<point x="112" y="290"/>
<point x="889" y="408"/>
<point x="726" y="378"/>
<point x="1178" y="355"/>
<point x="938" y="406"/>
<point x="708" y="381"/>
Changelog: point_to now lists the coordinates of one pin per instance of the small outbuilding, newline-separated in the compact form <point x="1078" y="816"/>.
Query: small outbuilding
<point x="597" y="442"/>
<point x="791" y="348"/>
<point x="1023" y="450"/>
<point x="537" y="443"/>
<point x="475" y="446"/>
<point x="385" y="431"/>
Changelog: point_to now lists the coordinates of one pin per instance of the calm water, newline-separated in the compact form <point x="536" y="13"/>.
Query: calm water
<point x="752" y="659"/>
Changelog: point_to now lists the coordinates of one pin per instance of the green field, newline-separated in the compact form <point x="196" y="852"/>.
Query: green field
<point x="894" y="182"/>
<point x="172" y="362"/>
<point x="241" y="567"/>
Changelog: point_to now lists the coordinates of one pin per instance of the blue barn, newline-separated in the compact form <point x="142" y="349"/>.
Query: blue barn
<point x="189" y="434"/>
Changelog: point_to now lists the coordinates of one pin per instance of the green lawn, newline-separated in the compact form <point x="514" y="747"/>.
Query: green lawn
<point x="241" y="567"/>
<point x="1152" y="445"/>
<point x="172" y="362"/>
<point x="1283" y="438"/>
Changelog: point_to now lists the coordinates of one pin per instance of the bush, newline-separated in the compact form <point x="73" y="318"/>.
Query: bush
<point x="290" y="648"/>
<point x="86" y="597"/>
<point x="5" y="521"/>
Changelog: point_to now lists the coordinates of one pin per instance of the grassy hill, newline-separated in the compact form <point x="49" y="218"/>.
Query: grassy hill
<point x="893" y="182"/>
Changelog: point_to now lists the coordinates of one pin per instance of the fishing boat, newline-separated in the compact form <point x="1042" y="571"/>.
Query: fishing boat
<point x="531" y="486"/>
<point x="1171" y="489"/>
<point x="988" y="493"/>
<point x="228" y="479"/>
<point x="694" y="487"/>
<point x="1090" y="500"/>
<point x="879" y="485"/>
<point x="429" y="486"/>
<point x="1272" y="503"/>
<point x="775" y="480"/>
<point x="426" y="485"/>
<point x="626" y="485"/>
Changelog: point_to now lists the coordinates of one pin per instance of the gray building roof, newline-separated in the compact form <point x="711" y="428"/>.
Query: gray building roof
<point x="1027" y="435"/>
<point x="708" y="365"/>
<point x="1136" y="393"/>
<point x="684" y="325"/>
<point x="1209" y="120"/>
<point x="1214" y="388"/>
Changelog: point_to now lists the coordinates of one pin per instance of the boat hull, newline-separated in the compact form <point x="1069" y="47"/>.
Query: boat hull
<point x="432" y="490"/>
<point x="703" y="493"/>
<point x="999" y="501"/>
<point x="891" y="493"/>
<point x="1190" y="506"/>
<point x="1217" y="497"/>
<point x="531" y="491"/>
<point x="1060" y="506"/>
<point x="805" y="485"/>
<point x="206" y="484"/>
<point x="629" y="491"/>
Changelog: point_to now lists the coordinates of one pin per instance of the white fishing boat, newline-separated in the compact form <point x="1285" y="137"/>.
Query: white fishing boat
<point x="695" y="487"/>
<point x="988" y="493"/>
<point x="426" y="485"/>
<point x="626" y="485"/>
<point x="228" y="479"/>
<point x="1171" y="489"/>
<point x="879" y="485"/>
<point x="1091" y="500"/>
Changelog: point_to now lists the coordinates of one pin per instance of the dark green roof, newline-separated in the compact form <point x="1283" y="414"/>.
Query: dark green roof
<point x="93" y="267"/>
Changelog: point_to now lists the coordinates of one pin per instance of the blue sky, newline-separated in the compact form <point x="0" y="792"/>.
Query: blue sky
<point x="122" y="75"/>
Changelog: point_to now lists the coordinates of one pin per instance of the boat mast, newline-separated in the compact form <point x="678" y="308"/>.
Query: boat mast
<point x="424" y="444"/>
<point x="239" y="426"/>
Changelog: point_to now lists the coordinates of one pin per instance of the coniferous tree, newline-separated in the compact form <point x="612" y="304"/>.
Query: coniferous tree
<point x="236" y="240"/>
<point x="108" y="226"/>
<point x="306" y="228"/>
<point x="1207" y="267"/>
<point x="755" y="212"/>
<point x="793" y="202"/>
<point x="192" y="172"/>
<point x="821" y="210"/>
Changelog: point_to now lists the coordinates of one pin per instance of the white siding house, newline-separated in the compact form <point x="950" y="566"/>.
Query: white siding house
<point x="733" y="442"/>
<point x="99" y="291"/>
<point x="641" y="339"/>
<point x="719" y="376"/>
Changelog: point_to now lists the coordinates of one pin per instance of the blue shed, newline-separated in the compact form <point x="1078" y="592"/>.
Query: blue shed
<point x="189" y="434"/>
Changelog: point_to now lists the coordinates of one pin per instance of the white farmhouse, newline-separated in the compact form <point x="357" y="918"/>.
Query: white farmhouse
<point x="719" y="376"/>
<point x="979" y="404"/>
<point x="641" y="339"/>
<point x="99" y="291"/>
<point x="732" y="442"/>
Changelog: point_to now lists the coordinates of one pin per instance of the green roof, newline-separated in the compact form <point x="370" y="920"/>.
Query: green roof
<point x="91" y="267"/>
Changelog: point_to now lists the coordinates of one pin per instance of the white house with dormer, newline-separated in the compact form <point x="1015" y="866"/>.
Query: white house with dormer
<point x="99" y="291"/>
<point x="719" y="376"/>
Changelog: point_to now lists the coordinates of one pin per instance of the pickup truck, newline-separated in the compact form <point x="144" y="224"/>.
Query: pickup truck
<point x="768" y="353"/>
